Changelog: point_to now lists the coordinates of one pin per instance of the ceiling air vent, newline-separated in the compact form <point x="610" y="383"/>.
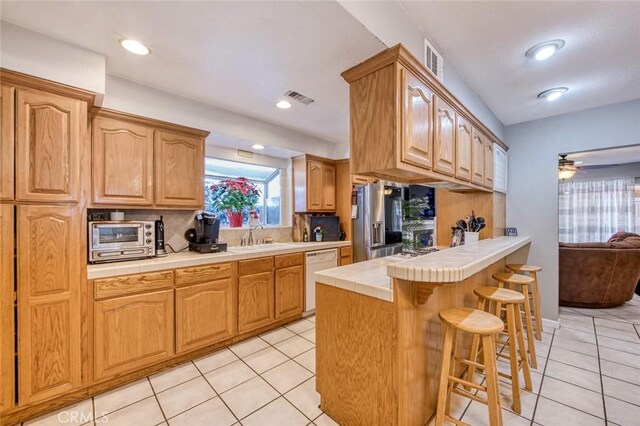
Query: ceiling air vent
<point x="298" y="97"/>
<point x="433" y="60"/>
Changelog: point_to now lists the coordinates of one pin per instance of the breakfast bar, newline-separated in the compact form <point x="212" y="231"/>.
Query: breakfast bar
<point x="379" y="339"/>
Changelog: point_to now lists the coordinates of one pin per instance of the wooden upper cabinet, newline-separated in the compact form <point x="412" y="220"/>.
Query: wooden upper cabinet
<point x="314" y="187"/>
<point x="255" y="301"/>
<point x="417" y="131"/>
<point x="50" y="139"/>
<point x="405" y="126"/>
<point x="488" y="163"/>
<point x="477" y="157"/>
<point x="7" y="134"/>
<point x="464" y="136"/>
<point x="314" y="180"/>
<point x="444" y="144"/>
<point x="205" y="314"/>
<point x="179" y="170"/>
<point x="51" y="284"/>
<point x="122" y="163"/>
<point x="289" y="291"/>
<point x="132" y="332"/>
<point x="328" y="187"/>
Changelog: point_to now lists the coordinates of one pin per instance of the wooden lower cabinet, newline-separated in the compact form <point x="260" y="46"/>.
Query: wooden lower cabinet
<point x="255" y="301"/>
<point x="205" y="314"/>
<point x="132" y="332"/>
<point x="289" y="291"/>
<point x="51" y="282"/>
<point x="346" y="256"/>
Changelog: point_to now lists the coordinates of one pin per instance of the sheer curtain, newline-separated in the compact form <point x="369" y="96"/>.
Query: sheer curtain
<point x="592" y="211"/>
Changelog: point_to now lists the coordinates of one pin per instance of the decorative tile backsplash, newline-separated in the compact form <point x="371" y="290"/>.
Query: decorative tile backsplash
<point x="177" y="222"/>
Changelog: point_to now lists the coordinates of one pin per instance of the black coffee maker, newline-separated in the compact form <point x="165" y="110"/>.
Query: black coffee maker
<point x="204" y="237"/>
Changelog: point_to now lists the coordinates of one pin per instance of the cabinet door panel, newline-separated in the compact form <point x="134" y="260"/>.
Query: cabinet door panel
<point x="7" y="142"/>
<point x="289" y="285"/>
<point x="132" y="332"/>
<point x="50" y="137"/>
<point x="255" y="301"/>
<point x="51" y="280"/>
<point x="417" y="140"/>
<point x="328" y="187"/>
<point x="444" y="143"/>
<point x="7" y="338"/>
<point x="314" y="185"/>
<point x="488" y="164"/>
<point x="179" y="170"/>
<point x="122" y="163"/>
<point x="205" y="314"/>
<point x="464" y="136"/>
<point x="477" y="158"/>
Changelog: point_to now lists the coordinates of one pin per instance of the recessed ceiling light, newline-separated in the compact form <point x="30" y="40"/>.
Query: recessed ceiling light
<point x="135" y="47"/>
<point x="553" y="94"/>
<point x="283" y="104"/>
<point x="257" y="146"/>
<point x="544" y="50"/>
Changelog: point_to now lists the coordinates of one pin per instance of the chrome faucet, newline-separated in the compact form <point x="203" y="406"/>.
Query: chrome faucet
<point x="251" y="233"/>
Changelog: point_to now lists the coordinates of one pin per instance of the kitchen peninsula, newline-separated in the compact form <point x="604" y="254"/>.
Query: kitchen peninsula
<point x="379" y="339"/>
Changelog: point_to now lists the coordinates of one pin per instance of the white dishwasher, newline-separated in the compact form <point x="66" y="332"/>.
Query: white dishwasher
<point x="317" y="261"/>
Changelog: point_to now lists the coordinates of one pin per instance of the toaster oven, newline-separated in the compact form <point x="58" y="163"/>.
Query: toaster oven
<point x="112" y="241"/>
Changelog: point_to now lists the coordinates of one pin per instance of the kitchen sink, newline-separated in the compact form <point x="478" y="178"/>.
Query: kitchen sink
<point x="260" y="247"/>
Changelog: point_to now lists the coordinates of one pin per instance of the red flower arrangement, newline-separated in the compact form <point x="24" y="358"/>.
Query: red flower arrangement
<point x="235" y="196"/>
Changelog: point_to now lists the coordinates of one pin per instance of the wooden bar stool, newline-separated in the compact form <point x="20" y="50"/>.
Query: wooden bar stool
<point x="488" y="299"/>
<point x="510" y="281"/>
<point x="532" y="271"/>
<point x="486" y="326"/>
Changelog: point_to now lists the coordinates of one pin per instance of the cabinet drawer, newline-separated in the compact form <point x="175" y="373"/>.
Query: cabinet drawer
<point x="129" y="284"/>
<point x="255" y="266"/>
<point x="345" y="251"/>
<point x="201" y="274"/>
<point x="287" y="260"/>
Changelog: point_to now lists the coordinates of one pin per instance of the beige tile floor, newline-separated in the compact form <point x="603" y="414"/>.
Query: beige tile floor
<point x="588" y="374"/>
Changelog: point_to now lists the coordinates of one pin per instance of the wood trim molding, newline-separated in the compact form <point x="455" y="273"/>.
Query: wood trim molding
<point x="21" y="79"/>
<point x="159" y="124"/>
<point x="400" y="54"/>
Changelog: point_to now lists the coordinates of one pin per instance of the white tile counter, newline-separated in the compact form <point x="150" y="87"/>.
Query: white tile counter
<point x="375" y="277"/>
<point x="186" y="259"/>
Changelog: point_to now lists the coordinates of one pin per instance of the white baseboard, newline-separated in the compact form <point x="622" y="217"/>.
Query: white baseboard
<point x="547" y="324"/>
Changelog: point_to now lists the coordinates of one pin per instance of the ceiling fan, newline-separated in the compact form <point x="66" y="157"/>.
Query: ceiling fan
<point x="566" y="168"/>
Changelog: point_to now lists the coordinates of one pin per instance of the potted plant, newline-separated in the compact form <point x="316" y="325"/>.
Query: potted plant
<point x="318" y="232"/>
<point x="235" y="197"/>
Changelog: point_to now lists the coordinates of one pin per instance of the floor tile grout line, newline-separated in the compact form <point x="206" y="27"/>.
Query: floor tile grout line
<point x="155" y="395"/>
<point x="544" y="372"/>
<point x="217" y="395"/>
<point x="267" y="382"/>
<point x="604" y="405"/>
<point x="569" y="406"/>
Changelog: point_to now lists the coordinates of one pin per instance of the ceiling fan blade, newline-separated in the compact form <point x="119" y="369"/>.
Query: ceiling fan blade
<point x="601" y="166"/>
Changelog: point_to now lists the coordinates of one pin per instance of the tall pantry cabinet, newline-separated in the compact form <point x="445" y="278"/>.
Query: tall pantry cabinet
<point x="45" y="159"/>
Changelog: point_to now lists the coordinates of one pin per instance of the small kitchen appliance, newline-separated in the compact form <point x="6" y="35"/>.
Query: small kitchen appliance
<point x="160" y="251"/>
<point x="205" y="237"/>
<point x="112" y="241"/>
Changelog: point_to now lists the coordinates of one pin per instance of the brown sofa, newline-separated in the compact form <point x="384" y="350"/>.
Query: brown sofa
<point x="599" y="275"/>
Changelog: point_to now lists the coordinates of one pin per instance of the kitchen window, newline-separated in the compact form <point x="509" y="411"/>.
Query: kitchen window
<point x="267" y="179"/>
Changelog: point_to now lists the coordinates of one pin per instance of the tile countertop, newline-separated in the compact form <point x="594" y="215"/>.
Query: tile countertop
<point x="374" y="277"/>
<point x="186" y="259"/>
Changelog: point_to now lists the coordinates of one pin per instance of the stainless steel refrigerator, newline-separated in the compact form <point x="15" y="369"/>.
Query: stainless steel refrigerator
<point x="370" y="227"/>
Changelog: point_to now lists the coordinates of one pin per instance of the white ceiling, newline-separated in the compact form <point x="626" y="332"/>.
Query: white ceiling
<point x="621" y="155"/>
<point x="241" y="56"/>
<point x="486" y="43"/>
